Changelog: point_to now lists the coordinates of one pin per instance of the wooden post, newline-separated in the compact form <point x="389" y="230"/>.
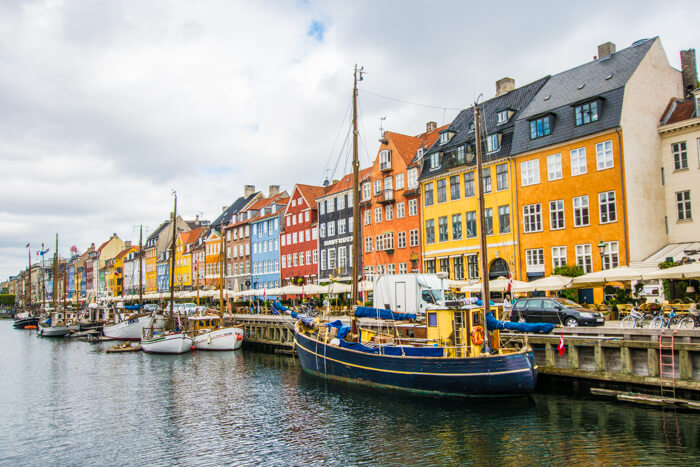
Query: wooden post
<point x="653" y="362"/>
<point x="599" y="356"/>
<point x="685" y="365"/>
<point x="573" y="356"/>
<point x="625" y="361"/>
<point x="550" y="360"/>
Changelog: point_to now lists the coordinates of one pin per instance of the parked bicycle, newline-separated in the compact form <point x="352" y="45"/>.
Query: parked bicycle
<point x="661" y="321"/>
<point x="692" y="320"/>
<point x="636" y="319"/>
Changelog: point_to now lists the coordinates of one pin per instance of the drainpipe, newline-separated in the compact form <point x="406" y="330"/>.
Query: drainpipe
<point x="624" y="197"/>
<point x="516" y="219"/>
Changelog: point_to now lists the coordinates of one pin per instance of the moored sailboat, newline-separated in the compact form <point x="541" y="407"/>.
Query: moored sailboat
<point x="59" y="323"/>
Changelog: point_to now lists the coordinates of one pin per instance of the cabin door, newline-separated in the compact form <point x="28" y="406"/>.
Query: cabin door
<point x="400" y="294"/>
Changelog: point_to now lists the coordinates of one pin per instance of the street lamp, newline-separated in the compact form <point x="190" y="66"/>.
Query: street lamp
<point x="601" y="249"/>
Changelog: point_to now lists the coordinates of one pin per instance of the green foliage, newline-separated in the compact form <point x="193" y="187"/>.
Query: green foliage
<point x="571" y="294"/>
<point x="569" y="271"/>
<point x="668" y="264"/>
<point x="7" y="299"/>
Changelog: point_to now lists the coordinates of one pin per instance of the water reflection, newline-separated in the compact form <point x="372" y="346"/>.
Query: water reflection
<point x="67" y="402"/>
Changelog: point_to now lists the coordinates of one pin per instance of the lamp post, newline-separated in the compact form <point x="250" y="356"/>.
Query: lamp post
<point x="601" y="249"/>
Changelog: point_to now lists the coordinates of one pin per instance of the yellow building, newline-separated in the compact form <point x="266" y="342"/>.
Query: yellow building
<point x="183" y="257"/>
<point x="115" y="271"/>
<point x="450" y="194"/>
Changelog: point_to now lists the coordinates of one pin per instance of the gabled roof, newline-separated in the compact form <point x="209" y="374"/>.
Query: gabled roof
<point x="235" y="207"/>
<point x="345" y="183"/>
<point x="126" y="251"/>
<point x="191" y="236"/>
<point x="679" y="110"/>
<point x="310" y="193"/>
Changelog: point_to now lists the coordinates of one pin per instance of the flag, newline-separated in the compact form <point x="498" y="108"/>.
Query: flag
<point x="561" y="347"/>
<point x="264" y="294"/>
<point x="27" y="245"/>
<point x="510" y="283"/>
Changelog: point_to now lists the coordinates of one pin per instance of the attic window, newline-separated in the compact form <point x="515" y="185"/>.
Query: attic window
<point x="586" y="113"/>
<point x="444" y="137"/>
<point x="419" y="153"/>
<point x="503" y="116"/>
<point x="540" y="127"/>
<point x="493" y="142"/>
<point x="434" y="160"/>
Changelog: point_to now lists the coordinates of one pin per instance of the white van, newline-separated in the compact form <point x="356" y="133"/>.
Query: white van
<point x="409" y="293"/>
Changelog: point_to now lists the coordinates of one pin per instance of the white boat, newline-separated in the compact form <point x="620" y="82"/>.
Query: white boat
<point x="131" y="328"/>
<point x="208" y="335"/>
<point x="169" y="342"/>
<point x="58" y="324"/>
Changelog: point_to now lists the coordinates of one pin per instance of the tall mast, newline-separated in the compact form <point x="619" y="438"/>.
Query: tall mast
<point x="357" y="76"/>
<point x="141" y="268"/>
<point x="221" y="266"/>
<point x="172" y="257"/>
<point x="482" y="227"/>
<point x="55" y="274"/>
<point x="43" y="284"/>
<point x="29" y="297"/>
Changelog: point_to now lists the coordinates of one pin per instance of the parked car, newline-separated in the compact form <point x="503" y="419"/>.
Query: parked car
<point x="554" y="310"/>
<point x="150" y="307"/>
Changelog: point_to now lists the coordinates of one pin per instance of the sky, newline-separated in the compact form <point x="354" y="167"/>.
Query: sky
<point x="106" y="107"/>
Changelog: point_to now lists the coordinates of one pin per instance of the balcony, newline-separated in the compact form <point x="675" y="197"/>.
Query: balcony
<point x="386" y="197"/>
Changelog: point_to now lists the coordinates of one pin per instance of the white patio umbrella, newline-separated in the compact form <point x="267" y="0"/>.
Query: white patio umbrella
<point x="684" y="271"/>
<point x="496" y="285"/>
<point x="337" y="287"/>
<point x="549" y="283"/>
<point x="291" y="290"/>
<point x="619" y="274"/>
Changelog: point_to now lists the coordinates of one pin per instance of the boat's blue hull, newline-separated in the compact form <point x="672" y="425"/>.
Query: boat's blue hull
<point x="496" y="375"/>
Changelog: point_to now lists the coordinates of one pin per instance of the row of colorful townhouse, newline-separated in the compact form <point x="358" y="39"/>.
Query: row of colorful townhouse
<point x="596" y="166"/>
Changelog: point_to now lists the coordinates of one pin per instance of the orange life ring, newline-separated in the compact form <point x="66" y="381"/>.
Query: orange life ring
<point x="477" y="335"/>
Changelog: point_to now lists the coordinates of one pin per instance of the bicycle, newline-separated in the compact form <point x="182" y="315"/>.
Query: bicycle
<point x="635" y="319"/>
<point x="660" y="320"/>
<point x="692" y="320"/>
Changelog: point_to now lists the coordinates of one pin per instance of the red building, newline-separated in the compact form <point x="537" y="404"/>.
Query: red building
<point x="299" y="236"/>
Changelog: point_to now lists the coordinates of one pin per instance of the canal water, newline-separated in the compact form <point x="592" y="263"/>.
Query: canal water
<point x="67" y="402"/>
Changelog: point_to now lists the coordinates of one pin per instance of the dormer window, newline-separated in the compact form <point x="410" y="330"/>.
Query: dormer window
<point x="493" y="142"/>
<point x="434" y="160"/>
<point x="504" y="115"/>
<point x="540" y="127"/>
<point x="444" y="137"/>
<point x="385" y="159"/>
<point x="586" y="113"/>
<point x="460" y="155"/>
<point x="419" y="153"/>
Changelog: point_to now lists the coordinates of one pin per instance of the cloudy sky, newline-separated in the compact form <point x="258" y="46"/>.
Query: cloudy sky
<point x="107" y="106"/>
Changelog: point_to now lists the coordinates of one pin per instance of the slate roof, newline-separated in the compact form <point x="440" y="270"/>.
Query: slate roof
<point x="236" y="206"/>
<point x="604" y="79"/>
<point x="462" y="127"/>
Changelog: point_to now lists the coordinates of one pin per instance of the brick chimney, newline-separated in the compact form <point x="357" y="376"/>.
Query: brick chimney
<point x="273" y="190"/>
<point x="606" y="49"/>
<point x="248" y="190"/>
<point x="504" y="86"/>
<point x="689" y="71"/>
<point x="430" y="127"/>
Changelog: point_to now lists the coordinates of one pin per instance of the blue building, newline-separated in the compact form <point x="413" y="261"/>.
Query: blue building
<point x="265" y="244"/>
<point x="163" y="272"/>
<point x="71" y="279"/>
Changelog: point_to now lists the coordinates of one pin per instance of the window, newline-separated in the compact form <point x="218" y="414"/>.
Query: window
<point x="430" y="269"/>
<point x="578" y="162"/>
<point x="554" y="171"/>
<point x="295" y="256"/>
<point x="412" y="207"/>
<point x="534" y="260"/>
<point x="586" y="113"/>
<point x="493" y="142"/>
<point x="399" y="181"/>
<point x="468" y="184"/>
<point x="604" y="155"/>
<point x="385" y="159"/>
<point x="434" y="160"/>
<point x="556" y="214"/>
<point x="442" y="190"/>
<point x="314" y="255"/>
<point x="608" y="211"/>
<point x="331" y="229"/>
<point x="402" y="268"/>
<point x="322" y="207"/>
<point x="368" y="244"/>
<point x="377" y="215"/>
<point x="683" y="205"/>
<point x="301" y="259"/>
<point x="442" y="229"/>
<point x="530" y="172"/>
<point x="445" y="266"/>
<point x="428" y="194"/>
<point x="611" y="255"/>
<point x="444" y="137"/>
<point x="365" y="191"/>
<point x="470" y="219"/>
<point x="391" y="269"/>
<point x="454" y="187"/>
<point x="504" y="219"/>
<point x="473" y="266"/>
<point x="486" y="179"/>
<point x="502" y="116"/>
<point x="456" y="226"/>
<point x="458" y="267"/>
<point x="342" y="257"/>
<point x="323" y="259"/>
<point x="389" y="212"/>
<point x="430" y="231"/>
<point x="322" y="229"/>
<point x="413" y="237"/>
<point x="581" y="211"/>
<point x="400" y="210"/>
<point x="532" y="218"/>
<point x="680" y="155"/>
<point x="412" y="178"/>
<point x="402" y="239"/>
<point x="488" y="221"/>
<point x="584" y="258"/>
<point x="341" y="227"/>
<point x="377" y="187"/>
<point x="341" y="205"/>
<point x="558" y="256"/>
<point x="368" y="217"/>
<point x="540" y="127"/>
<point x="388" y="183"/>
<point x="331" y="259"/>
<point x="460" y="155"/>
<point x="502" y="177"/>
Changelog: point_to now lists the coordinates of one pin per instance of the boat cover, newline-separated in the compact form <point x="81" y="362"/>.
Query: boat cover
<point x="380" y="313"/>
<point x="493" y="323"/>
<point x="413" y="351"/>
<point x="132" y="307"/>
<point x="309" y="322"/>
<point x="357" y="346"/>
<point x="343" y="330"/>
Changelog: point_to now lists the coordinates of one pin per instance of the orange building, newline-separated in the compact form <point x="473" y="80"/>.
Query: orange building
<point x="389" y="204"/>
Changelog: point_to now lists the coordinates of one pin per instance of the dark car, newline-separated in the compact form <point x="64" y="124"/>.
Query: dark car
<point x="554" y="310"/>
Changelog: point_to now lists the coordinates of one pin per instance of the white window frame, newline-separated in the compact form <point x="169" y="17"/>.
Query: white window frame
<point x="607" y="199"/>
<point x="554" y="167"/>
<point x="534" y="212"/>
<point x="556" y="209"/>
<point x="558" y="256"/>
<point x="584" y="257"/>
<point x="530" y="172"/>
<point x="604" y="155"/>
<point x="581" y="203"/>
<point x="579" y="165"/>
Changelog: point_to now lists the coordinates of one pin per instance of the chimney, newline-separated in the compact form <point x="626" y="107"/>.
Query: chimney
<point x="248" y="190"/>
<point x="274" y="190"/>
<point x="605" y="50"/>
<point x="196" y="219"/>
<point x="689" y="71"/>
<point x="504" y="86"/>
<point x="127" y="244"/>
<point x="430" y="127"/>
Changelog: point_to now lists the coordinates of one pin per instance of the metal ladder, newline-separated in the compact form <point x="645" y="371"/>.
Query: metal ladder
<point x="667" y="363"/>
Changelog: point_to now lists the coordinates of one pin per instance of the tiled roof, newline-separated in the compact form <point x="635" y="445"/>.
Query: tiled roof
<point x="236" y="206"/>
<point x="125" y="252"/>
<point x="191" y="236"/>
<point x="429" y="140"/>
<point x="310" y="193"/>
<point x="679" y="110"/>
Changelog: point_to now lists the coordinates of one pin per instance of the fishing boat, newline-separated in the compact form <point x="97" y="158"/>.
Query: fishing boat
<point x="456" y="351"/>
<point x="172" y="340"/>
<point x="60" y="322"/>
<point x="131" y="327"/>
<point x="25" y="321"/>
<point x="209" y="335"/>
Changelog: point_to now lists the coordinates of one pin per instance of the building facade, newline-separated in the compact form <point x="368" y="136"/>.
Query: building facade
<point x="265" y="243"/>
<point x="299" y="236"/>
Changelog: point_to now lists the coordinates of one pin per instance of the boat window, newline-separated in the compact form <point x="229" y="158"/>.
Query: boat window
<point x="426" y="296"/>
<point x="432" y="319"/>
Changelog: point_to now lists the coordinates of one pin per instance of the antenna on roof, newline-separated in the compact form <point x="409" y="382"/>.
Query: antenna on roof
<point x="381" y="130"/>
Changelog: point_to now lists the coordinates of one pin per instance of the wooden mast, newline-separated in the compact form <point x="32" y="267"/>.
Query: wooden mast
<point x="55" y="274"/>
<point x="357" y="76"/>
<point x="486" y="296"/>
<point x="172" y="257"/>
<point x="141" y="268"/>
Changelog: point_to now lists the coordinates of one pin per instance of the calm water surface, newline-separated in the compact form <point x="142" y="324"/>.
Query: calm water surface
<point x="66" y="402"/>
